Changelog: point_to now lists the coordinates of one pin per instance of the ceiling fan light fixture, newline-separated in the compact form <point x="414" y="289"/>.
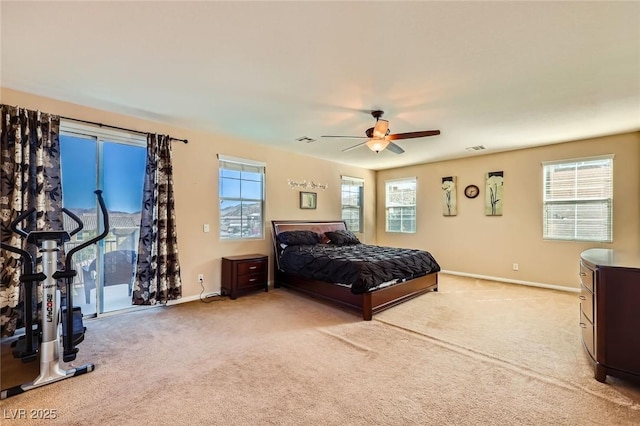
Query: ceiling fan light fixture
<point x="378" y="137"/>
<point x="381" y="129"/>
<point x="377" y="145"/>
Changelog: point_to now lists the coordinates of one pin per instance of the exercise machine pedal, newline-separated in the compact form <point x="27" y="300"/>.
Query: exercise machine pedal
<point x="22" y="350"/>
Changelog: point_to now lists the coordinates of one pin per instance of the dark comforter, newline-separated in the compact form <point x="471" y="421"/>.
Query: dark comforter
<point x="362" y="266"/>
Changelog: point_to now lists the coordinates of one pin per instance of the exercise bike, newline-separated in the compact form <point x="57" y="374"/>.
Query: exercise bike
<point x="46" y="339"/>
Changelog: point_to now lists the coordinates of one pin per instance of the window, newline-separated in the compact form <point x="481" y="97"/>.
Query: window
<point x="578" y="199"/>
<point x="400" y="205"/>
<point x="241" y="198"/>
<point x="352" y="210"/>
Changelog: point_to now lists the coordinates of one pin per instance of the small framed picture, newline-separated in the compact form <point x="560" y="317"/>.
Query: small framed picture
<point x="308" y="200"/>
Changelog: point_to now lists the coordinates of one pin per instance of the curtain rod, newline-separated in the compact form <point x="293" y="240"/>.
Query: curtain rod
<point x="116" y="127"/>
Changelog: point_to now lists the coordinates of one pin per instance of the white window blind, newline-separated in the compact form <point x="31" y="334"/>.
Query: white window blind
<point x="241" y="194"/>
<point x="578" y="199"/>
<point x="352" y="207"/>
<point x="400" y="205"/>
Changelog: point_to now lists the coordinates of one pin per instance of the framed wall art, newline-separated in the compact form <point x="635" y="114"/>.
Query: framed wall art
<point x="308" y="200"/>
<point x="449" y="196"/>
<point x="493" y="193"/>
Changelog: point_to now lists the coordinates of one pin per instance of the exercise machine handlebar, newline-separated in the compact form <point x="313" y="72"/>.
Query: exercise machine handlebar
<point x="68" y="343"/>
<point x="76" y="219"/>
<point x="18" y="220"/>
<point x="105" y="230"/>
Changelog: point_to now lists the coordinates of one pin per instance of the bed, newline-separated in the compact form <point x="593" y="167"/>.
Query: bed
<point x="346" y="272"/>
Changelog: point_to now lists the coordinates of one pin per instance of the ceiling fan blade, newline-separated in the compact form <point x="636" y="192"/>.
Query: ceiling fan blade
<point x="394" y="148"/>
<point x="332" y="136"/>
<point x="410" y="135"/>
<point x="354" y="146"/>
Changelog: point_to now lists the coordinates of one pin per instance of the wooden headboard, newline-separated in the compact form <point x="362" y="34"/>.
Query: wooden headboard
<point x="304" y="225"/>
<point x="320" y="227"/>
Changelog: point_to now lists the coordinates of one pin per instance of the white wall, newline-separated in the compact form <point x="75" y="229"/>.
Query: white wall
<point x="473" y="243"/>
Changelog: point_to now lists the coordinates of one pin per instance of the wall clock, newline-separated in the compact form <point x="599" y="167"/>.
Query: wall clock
<point x="471" y="191"/>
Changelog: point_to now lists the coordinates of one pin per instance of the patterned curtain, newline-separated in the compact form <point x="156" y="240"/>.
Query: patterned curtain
<point x="30" y="177"/>
<point x="158" y="270"/>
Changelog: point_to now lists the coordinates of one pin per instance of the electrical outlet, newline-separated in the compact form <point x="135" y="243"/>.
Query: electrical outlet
<point x="201" y="277"/>
<point x="516" y="267"/>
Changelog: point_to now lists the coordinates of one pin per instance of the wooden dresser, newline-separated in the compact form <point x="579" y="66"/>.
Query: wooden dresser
<point x="245" y="273"/>
<point x="610" y="312"/>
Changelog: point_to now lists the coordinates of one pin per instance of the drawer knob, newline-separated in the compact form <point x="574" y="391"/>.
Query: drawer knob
<point x="251" y="279"/>
<point x="252" y="267"/>
<point x="582" y="298"/>
<point x="582" y="274"/>
<point x="583" y="325"/>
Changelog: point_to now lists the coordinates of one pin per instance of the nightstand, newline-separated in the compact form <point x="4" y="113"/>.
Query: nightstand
<point x="245" y="273"/>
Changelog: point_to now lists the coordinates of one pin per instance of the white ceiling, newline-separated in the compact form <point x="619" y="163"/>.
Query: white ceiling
<point x="505" y="75"/>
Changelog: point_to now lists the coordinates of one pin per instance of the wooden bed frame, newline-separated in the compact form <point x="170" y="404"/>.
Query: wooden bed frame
<point x="368" y="303"/>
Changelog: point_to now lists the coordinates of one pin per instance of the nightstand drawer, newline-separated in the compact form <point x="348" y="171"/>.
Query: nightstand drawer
<point x="252" y="280"/>
<point x="251" y="267"/>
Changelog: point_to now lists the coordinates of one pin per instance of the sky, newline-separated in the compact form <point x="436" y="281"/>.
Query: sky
<point x="122" y="174"/>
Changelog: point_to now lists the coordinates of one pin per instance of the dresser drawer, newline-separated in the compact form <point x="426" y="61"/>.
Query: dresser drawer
<point x="586" y="302"/>
<point x="586" y="276"/>
<point x="587" y="334"/>
<point x="251" y="267"/>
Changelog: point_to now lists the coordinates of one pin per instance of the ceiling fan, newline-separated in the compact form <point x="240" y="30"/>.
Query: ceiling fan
<point x="379" y="136"/>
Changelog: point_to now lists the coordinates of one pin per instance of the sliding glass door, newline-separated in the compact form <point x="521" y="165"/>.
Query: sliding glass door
<point x="115" y="163"/>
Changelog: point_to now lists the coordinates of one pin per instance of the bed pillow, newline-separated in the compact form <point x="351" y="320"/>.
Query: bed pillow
<point x="299" y="238"/>
<point x="342" y="238"/>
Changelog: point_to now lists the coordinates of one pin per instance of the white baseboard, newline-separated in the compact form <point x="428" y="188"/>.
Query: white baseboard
<point x="204" y="296"/>
<point x="510" y="281"/>
<point x="191" y="298"/>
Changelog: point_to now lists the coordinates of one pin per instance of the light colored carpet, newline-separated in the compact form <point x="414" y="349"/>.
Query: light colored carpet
<point x="476" y="352"/>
